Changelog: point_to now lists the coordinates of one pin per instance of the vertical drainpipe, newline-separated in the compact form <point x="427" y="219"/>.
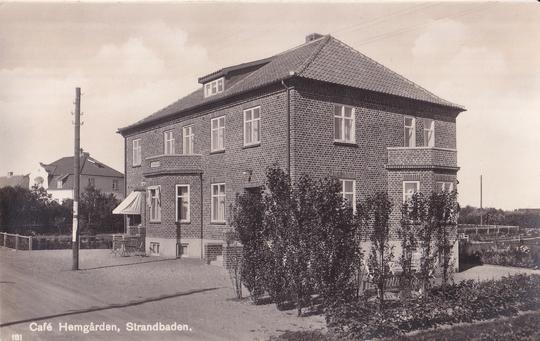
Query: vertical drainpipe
<point x="125" y="182"/>
<point x="287" y="89"/>
<point x="202" y="224"/>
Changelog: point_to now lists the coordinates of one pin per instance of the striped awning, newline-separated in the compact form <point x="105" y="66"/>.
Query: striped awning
<point x="132" y="204"/>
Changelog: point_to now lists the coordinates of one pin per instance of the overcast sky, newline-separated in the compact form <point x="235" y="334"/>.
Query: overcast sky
<point x="133" y="59"/>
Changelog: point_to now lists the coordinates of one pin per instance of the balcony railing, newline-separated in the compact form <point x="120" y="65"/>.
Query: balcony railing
<point x="172" y="164"/>
<point x="421" y="158"/>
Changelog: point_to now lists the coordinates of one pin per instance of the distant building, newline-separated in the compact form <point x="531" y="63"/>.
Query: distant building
<point x="57" y="177"/>
<point x="528" y="210"/>
<point x="14" y="180"/>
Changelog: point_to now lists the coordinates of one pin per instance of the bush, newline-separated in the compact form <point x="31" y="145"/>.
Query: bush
<point x="467" y="301"/>
<point x="520" y="256"/>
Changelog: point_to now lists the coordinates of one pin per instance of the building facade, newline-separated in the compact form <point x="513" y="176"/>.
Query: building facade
<point x="321" y="108"/>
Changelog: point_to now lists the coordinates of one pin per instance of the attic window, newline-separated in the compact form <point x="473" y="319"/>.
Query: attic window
<point x="213" y="87"/>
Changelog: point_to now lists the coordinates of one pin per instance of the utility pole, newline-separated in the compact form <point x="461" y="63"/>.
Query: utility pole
<point x="481" y="210"/>
<point x="76" y="182"/>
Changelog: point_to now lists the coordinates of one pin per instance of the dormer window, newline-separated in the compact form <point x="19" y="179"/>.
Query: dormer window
<point x="213" y="87"/>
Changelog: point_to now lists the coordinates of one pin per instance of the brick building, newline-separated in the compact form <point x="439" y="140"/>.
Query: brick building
<point x="320" y="108"/>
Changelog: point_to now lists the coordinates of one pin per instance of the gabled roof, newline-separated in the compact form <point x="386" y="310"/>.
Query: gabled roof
<point x="89" y="166"/>
<point x="325" y="59"/>
<point x="15" y="180"/>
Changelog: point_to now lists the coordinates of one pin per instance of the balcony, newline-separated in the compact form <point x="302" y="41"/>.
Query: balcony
<point x="421" y="158"/>
<point x="172" y="164"/>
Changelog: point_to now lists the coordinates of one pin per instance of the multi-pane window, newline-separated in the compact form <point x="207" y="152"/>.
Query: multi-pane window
<point x="348" y="191"/>
<point x="344" y="127"/>
<point x="182" y="203"/>
<point x="168" y="142"/>
<point x="91" y="182"/>
<point x="213" y="87"/>
<point x="252" y="126"/>
<point x="429" y="132"/>
<point x="409" y="188"/>
<point x="59" y="184"/>
<point x="410" y="131"/>
<point x="115" y="186"/>
<point x="154" y="202"/>
<point x="218" y="203"/>
<point x="188" y="140"/>
<point x="445" y="186"/>
<point x="218" y="134"/>
<point x="137" y="152"/>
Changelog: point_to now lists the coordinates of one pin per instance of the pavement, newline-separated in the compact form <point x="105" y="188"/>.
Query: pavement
<point x="39" y="291"/>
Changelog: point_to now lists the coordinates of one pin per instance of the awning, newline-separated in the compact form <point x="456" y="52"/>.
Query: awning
<point x="133" y="204"/>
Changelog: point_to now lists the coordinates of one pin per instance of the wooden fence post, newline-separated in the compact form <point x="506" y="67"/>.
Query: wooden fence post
<point x="30" y="243"/>
<point x="5" y="239"/>
<point x="17" y="241"/>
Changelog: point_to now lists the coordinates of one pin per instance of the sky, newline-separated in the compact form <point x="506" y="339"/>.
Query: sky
<point x="131" y="59"/>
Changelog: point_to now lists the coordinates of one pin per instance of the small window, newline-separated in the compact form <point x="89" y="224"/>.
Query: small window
<point x="445" y="186"/>
<point x="218" y="203"/>
<point x="188" y="140"/>
<point x="137" y="152"/>
<point x="409" y="188"/>
<point x="154" y="249"/>
<point x="182" y="203"/>
<point x="168" y="142"/>
<point x="252" y="126"/>
<point x="218" y="134"/>
<point x="115" y="186"/>
<point x="154" y="202"/>
<point x="429" y="132"/>
<point x="410" y="131"/>
<point x="348" y="191"/>
<point x="59" y="184"/>
<point x="213" y="87"/>
<point x="344" y="126"/>
<point x="91" y="182"/>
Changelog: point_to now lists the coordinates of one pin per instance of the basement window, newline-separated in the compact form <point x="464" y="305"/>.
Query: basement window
<point x="214" y="87"/>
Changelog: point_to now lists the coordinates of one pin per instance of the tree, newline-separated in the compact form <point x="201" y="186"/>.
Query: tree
<point x="421" y="215"/>
<point x="444" y="211"/>
<point x="410" y="220"/>
<point x="95" y="212"/>
<point x="375" y="215"/>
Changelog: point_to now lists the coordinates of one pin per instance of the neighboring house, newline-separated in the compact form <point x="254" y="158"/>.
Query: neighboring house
<point x="57" y="177"/>
<point x="14" y="180"/>
<point x="321" y="108"/>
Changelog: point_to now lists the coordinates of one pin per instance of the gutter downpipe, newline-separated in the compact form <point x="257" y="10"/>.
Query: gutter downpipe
<point x="202" y="215"/>
<point x="288" y="126"/>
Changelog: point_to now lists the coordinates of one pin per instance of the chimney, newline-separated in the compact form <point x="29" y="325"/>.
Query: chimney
<point x="313" y="36"/>
<point x="10" y="173"/>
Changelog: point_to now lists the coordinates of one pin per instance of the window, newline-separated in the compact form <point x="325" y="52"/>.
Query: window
<point x="409" y="188"/>
<point x="344" y="128"/>
<point x="410" y="132"/>
<point x="213" y="87"/>
<point x="252" y="126"/>
<point x="168" y="142"/>
<point x="154" y="202"/>
<point x="59" y="184"/>
<point x="137" y="152"/>
<point x="182" y="203"/>
<point x="444" y="186"/>
<point x="218" y="203"/>
<point x="429" y="132"/>
<point x="348" y="191"/>
<point x="91" y="182"/>
<point x="188" y="139"/>
<point x="115" y="186"/>
<point x="218" y="134"/>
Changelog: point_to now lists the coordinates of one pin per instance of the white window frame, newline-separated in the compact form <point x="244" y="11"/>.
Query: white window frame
<point x="157" y="190"/>
<point x="92" y="182"/>
<point x="59" y="184"/>
<point x="443" y="186"/>
<point x="188" y="199"/>
<point x="168" y="142"/>
<point x="136" y="152"/>
<point x="188" y="138"/>
<point x="216" y="219"/>
<point x="343" y="119"/>
<point x="429" y="127"/>
<point x="115" y="185"/>
<point x="343" y="193"/>
<point x="410" y="182"/>
<point x="220" y="143"/>
<point x="405" y="127"/>
<point x="252" y="121"/>
<point x="214" y="87"/>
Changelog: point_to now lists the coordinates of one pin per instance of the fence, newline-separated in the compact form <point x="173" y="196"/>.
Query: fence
<point x="16" y="241"/>
<point x="19" y="242"/>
